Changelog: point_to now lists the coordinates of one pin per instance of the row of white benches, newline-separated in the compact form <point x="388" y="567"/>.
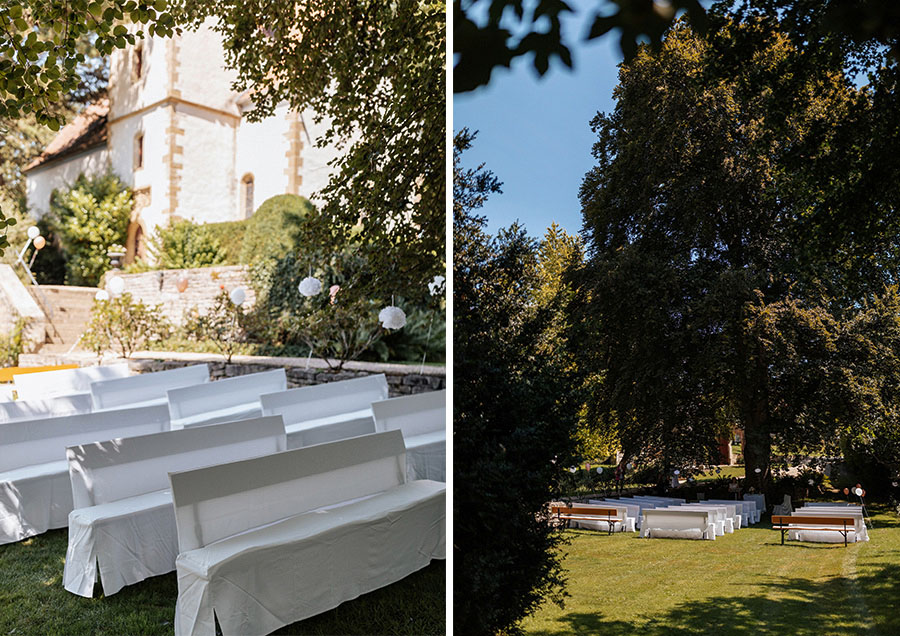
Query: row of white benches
<point x="250" y="535"/>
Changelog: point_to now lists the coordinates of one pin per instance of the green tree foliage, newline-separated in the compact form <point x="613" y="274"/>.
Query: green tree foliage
<point x="374" y="72"/>
<point x="12" y="344"/>
<point x="223" y="325"/>
<point x="88" y="218"/>
<point x="185" y="244"/>
<point x="125" y="324"/>
<point x="271" y="231"/>
<point x="513" y="417"/>
<point x="706" y="301"/>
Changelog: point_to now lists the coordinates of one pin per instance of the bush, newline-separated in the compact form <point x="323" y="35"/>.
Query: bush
<point x="272" y="230"/>
<point x="12" y="344"/>
<point x="230" y="236"/>
<point x="222" y="325"/>
<point x="124" y="323"/>
<point x="88" y="218"/>
<point x="184" y="245"/>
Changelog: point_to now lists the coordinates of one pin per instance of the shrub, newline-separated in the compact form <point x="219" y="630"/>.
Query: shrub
<point x="12" y="344"/>
<point x="271" y="231"/>
<point x="89" y="217"/>
<point x="230" y="236"/>
<point x="423" y="335"/>
<point x="185" y="244"/>
<point x="124" y="323"/>
<point x="222" y="325"/>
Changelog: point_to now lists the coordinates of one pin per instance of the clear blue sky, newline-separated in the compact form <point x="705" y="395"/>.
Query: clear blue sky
<point x="534" y="134"/>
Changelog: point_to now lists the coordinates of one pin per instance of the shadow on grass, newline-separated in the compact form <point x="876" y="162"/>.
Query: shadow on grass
<point x="796" y="606"/>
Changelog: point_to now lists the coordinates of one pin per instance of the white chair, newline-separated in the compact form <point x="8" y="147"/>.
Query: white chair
<point x="145" y="389"/>
<point x="269" y="541"/>
<point x="784" y="508"/>
<point x="51" y="407"/>
<point x="35" y="492"/>
<point x="423" y="420"/>
<point x="327" y="412"/>
<point x="224" y="400"/>
<point x="48" y="384"/>
<point x="123" y="522"/>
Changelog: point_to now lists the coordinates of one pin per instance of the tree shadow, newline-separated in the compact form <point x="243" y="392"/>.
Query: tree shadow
<point x="797" y="606"/>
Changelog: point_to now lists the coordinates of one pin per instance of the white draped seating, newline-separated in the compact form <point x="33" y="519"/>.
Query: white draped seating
<point x="678" y="522"/>
<point x="269" y="541"/>
<point x="622" y="522"/>
<point x="35" y="491"/>
<point x="327" y="412"/>
<point x="725" y="513"/>
<point x="859" y="533"/>
<point x="145" y="389"/>
<point x="50" y="407"/>
<point x="748" y="511"/>
<point x="423" y="420"/>
<point x="633" y="510"/>
<point x="759" y="500"/>
<point x="223" y="400"/>
<point x="47" y="384"/>
<point x="123" y="522"/>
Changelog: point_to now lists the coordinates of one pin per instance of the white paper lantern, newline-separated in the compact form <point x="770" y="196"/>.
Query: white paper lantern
<point x="894" y="484"/>
<point x="757" y="470"/>
<point x="238" y="296"/>
<point x="310" y="286"/>
<point x="101" y="294"/>
<point x="436" y="286"/>
<point x="811" y="482"/>
<point x="599" y="470"/>
<point x="573" y="470"/>
<point x="34" y="232"/>
<point x="392" y="317"/>
<point x="677" y="472"/>
<point x="629" y="466"/>
<point x="858" y="492"/>
<point x="115" y="286"/>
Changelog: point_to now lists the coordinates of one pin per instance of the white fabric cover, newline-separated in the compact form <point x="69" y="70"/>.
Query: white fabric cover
<point x="634" y="510"/>
<point x="747" y="509"/>
<point x="327" y="412"/>
<point x="618" y="526"/>
<point x="729" y="513"/>
<point x="47" y="384"/>
<point x="145" y="389"/>
<point x="51" y="407"/>
<point x="124" y="521"/>
<point x="423" y="420"/>
<point x="35" y="492"/>
<point x="670" y="533"/>
<point x="759" y="500"/>
<point x="860" y="533"/>
<point x="269" y="541"/>
<point x="223" y="400"/>
<point x="668" y="519"/>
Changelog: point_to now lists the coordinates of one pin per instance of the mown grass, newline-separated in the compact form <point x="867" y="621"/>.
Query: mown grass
<point x="33" y="601"/>
<point x="744" y="583"/>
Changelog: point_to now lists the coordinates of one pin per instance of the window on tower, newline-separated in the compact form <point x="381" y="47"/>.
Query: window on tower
<point x="139" y="60"/>
<point x="139" y="151"/>
<point x="247" y="195"/>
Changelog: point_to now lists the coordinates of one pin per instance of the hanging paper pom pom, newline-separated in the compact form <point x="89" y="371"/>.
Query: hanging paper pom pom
<point x="392" y="317"/>
<point x="858" y="492"/>
<point x="101" y="294"/>
<point x="677" y="472"/>
<point x="333" y="291"/>
<point x="310" y="286"/>
<point x="115" y="286"/>
<point x="757" y="470"/>
<point x="436" y="286"/>
<point x="181" y="284"/>
<point x="238" y="296"/>
<point x="629" y="466"/>
<point x="573" y="470"/>
<point x="34" y="232"/>
<point x="599" y="470"/>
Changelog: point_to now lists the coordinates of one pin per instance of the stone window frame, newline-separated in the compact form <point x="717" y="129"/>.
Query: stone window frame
<point x="247" y="193"/>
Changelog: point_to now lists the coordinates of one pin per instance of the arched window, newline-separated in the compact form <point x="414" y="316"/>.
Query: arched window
<point x="247" y="195"/>
<point x="139" y="151"/>
<point x="139" y="60"/>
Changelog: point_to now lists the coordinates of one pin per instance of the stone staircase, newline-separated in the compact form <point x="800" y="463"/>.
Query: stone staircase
<point x="68" y="310"/>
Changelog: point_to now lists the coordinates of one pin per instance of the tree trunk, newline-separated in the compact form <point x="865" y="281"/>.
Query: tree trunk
<point x="757" y="448"/>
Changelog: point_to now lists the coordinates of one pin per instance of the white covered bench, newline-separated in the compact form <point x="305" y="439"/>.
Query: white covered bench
<point x="269" y="541"/>
<point x="327" y="412"/>
<point x="124" y="523"/>
<point x="633" y="510"/>
<point x="678" y="523"/>
<point x="585" y="518"/>
<point x="223" y="400"/>
<point x="35" y="492"/>
<point x="145" y="389"/>
<point x="50" y="407"/>
<point x="725" y="514"/>
<point x="47" y="384"/>
<point x="747" y="509"/>
<point x="423" y="420"/>
<point x="859" y="533"/>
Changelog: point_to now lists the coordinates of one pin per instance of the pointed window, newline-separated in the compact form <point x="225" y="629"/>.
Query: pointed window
<point x="247" y="195"/>
<point x="139" y="151"/>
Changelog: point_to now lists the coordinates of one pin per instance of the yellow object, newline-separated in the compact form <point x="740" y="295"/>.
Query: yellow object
<point x="6" y="375"/>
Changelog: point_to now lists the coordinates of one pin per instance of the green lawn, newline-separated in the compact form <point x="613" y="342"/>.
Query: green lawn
<point x="33" y="601"/>
<point x="742" y="583"/>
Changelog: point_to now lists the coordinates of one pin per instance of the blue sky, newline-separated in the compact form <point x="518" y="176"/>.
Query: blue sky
<point x="534" y="134"/>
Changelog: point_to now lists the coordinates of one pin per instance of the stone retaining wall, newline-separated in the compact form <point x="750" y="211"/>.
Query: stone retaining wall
<point x="402" y="379"/>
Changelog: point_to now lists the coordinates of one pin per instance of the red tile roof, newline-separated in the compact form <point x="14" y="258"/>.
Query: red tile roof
<point x="85" y="131"/>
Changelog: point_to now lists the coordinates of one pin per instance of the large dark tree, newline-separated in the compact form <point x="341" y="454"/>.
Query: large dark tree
<point x="709" y="297"/>
<point x="512" y="420"/>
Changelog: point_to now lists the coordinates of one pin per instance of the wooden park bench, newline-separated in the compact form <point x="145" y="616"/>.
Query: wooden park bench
<point x="785" y="523"/>
<point x="611" y="516"/>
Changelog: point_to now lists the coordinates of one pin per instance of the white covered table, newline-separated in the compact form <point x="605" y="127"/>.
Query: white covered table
<point x="35" y="491"/>
<point x="327" y="412"/>
<point x="423" y="420"/>
<point x="123" y="522"/>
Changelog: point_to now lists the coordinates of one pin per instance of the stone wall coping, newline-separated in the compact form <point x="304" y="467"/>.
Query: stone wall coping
<point x="89" y="359"/>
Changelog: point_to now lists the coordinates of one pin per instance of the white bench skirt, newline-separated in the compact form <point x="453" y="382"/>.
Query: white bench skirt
<point x="604" y="525"/>
<point x="426" y="456"/>
<point x="827" y="536"/>
<point x="671" y="533"/>
<point x="131" y="540"/>
<point x="268" y="577"/>
<point x="34" y="499"/>
<point x="330" y="429"/>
